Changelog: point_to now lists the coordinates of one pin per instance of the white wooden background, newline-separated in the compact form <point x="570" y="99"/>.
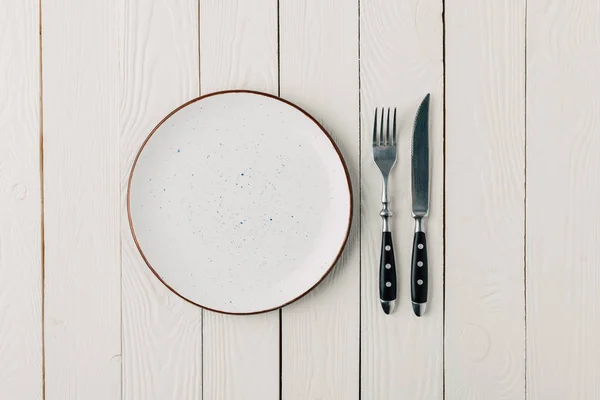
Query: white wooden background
<point x="514" y="307"/>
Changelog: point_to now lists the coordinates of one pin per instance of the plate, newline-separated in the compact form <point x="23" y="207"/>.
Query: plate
<point x="239" y="202"/>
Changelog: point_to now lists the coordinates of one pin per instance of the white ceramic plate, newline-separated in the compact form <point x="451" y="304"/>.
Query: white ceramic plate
<point x="239" y="202"/>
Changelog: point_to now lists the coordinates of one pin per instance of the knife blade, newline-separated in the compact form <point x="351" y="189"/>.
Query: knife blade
<point x="420" y="206"/>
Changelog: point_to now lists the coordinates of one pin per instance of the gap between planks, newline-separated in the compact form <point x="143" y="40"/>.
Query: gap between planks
<point x="444" y="201"/>
<point x="42" y="231"/>
<point x="525" y="203"/>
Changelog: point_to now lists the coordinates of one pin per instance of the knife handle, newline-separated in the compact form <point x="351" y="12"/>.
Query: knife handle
<point x="387" y="269"/>
<point x="418" y="270"/>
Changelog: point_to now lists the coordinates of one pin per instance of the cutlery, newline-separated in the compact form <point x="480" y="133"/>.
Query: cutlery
<point x="384" y="155"/>
<point x="420" y="207"/>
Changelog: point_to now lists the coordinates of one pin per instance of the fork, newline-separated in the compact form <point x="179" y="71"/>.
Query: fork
<point x="384" y="155"/>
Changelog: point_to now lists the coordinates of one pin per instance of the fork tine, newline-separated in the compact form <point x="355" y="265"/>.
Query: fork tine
<point x="394" y="130"/>
<point x="387" y="129"/>
<point x="375" y="128"/>
<point x="381" y="137"/>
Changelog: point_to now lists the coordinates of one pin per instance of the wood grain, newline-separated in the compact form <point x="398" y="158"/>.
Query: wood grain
<point x="401" y="61"/>
<point x="113" y="69"/>
<point x="563" y="193"/>
<point x="162" y="333"/>
<point x="20" y="199"/>
<point x="485" y="141"/>
<point x="238" y="49"/>
<point x="81" y="208"/>
<point x="319" y="72"/>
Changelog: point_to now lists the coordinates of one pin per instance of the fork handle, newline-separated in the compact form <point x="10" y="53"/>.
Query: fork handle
<point x="387" y="269"/>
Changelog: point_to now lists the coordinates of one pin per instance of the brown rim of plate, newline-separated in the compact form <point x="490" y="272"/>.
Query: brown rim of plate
<point x="341" y="158"/>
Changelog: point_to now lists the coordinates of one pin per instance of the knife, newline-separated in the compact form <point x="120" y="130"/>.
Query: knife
<point x="420" y="207"/>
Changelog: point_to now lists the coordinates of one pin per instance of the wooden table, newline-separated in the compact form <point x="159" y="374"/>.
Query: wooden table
<point x="513" y="230"/>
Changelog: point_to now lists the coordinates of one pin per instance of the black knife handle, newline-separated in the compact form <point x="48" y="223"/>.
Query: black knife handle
<point x="387" y="269"/>
<point x="418" y="270"/>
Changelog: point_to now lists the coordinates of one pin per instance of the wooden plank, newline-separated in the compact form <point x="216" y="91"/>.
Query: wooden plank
<point x="401" y="61"/>
<point x="319" y="72"/>
<point x="563" y="193"/>
<point x="20" y="202"/>
<point x="81" y="194"/>
<point x="485" y="160"/>
<point x="162" y="334"/>
<point x="238" y="49"/>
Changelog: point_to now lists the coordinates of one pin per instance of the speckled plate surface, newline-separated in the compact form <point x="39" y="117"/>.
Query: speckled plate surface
<point x="239" y="202"/>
